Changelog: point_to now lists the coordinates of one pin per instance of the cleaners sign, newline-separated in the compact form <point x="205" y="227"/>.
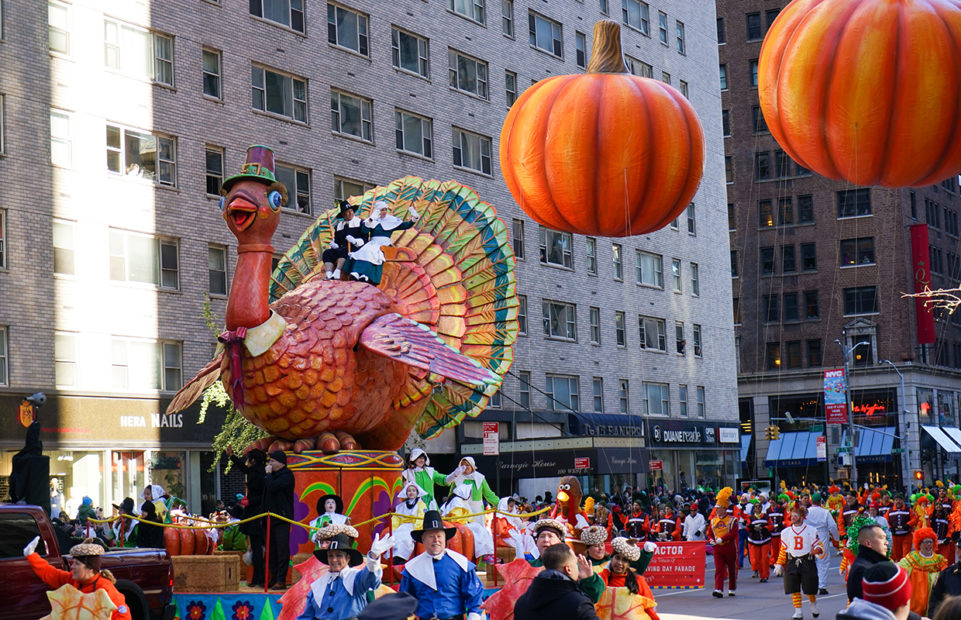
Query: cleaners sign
<point x="677" y="565"/>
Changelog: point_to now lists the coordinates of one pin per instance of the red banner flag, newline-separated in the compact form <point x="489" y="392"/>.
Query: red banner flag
<point x="920" y="259"/>
<point x="677" y="565"/>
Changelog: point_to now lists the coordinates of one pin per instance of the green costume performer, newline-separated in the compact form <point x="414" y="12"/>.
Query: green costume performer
<point x="467" y="474"/>
<point x="424" y="476"/>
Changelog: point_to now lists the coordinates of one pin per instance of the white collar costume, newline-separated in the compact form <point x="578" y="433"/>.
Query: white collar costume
<point x="421" y="567"/>
<point x="348" y="575"/>
<point x="388" y="222"/>
<point x="354" y="222"/>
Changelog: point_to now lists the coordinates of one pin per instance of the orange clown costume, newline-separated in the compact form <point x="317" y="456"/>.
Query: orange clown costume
<point x="923" y="566"/>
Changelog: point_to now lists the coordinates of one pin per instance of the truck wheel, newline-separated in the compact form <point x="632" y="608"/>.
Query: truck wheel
<point x="135" y="599"/>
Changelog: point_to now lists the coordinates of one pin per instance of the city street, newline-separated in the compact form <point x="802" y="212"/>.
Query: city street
<point x="753" y="600"/>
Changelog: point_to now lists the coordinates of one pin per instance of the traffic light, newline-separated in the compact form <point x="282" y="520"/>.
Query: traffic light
<point x="775" y="432"/>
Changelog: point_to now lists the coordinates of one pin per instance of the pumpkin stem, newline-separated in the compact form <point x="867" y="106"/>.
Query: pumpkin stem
<point x="606" y="55"/>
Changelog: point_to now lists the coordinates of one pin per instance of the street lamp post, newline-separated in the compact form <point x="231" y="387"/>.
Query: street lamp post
<point x="903" y="424"/>
<point x="847" y="396"/>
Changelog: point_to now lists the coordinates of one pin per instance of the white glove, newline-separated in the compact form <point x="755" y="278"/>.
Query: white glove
<point x="333" y="245"/>
<point x="718" y="540"/>
<point x="355" y="241"/>
<point x="473" y="616"/>
<point x="454" y="474"/>
<point x="379" y="546"/>
<point x="268" y="469"/>
<point x="778" y="570"/>
<point x="413" y="212"/>
<point x="31" y="546"/>
<point x="650" y="547"/>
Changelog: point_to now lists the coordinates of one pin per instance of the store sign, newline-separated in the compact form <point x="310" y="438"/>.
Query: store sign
<point x="677" y="564"/>
<point x="835" y="396"/>
<point x="680" y="433"/>
<point x="582" y="463"/>
<point x="729" y="435"/>
<point x="656" y="465"/>
<point x="822" y="442"/>
<point x="491" y="438"/>
<point x="606" y="425"/>
<point x="554" y="463"/>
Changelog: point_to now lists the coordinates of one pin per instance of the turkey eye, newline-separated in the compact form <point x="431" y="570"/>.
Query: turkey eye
<point x="275" y="199"/>
<point x="223" y="202"/>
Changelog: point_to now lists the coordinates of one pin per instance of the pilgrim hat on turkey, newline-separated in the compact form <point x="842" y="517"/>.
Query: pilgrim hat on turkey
<point x="259" y="166"/>
<point x="339" y="504"/>
<point x="340" y="542"/>
<point x="432" y="521"/>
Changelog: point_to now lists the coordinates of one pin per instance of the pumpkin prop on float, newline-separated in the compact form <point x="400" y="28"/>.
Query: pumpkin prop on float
<point x="864" y="90"/>
<point x="602" y="153"/>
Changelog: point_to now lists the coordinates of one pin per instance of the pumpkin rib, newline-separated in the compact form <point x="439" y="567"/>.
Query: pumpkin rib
<point x="670" y="184"/>
<point x="644" y="187"/>
<point x="547" y="124"/>
<point x="886" y="155"/>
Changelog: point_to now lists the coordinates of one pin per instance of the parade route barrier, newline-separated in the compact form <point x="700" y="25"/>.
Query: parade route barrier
<point x="677" y="565"/>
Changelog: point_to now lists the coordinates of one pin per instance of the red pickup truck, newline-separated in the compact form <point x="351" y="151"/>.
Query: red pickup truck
<point x="144" y="576"/>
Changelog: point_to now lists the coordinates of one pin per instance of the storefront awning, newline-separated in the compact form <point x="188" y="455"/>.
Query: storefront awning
<point x="745" y="446"/>
<point x="798" y="449"/>
<point x="874" y="445"/>
<point x="946" y="443"/>
<point x="953" y="433"/>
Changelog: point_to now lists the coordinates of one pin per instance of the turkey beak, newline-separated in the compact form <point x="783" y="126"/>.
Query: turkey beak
<point x="563" y="497"/>
<point x="241" y="211"/>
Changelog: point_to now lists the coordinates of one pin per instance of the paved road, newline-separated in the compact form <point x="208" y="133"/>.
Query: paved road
<point x="753" y="601"/>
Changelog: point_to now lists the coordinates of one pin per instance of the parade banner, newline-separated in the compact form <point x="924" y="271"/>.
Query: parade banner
<point x="924" y="314"/>
<point x="822" y="443"/>
<point x="677" y="565"/>
<point x="835" y="396"/>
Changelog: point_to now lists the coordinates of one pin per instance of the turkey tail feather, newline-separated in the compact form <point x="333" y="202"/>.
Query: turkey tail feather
<point x="209" y="375"/>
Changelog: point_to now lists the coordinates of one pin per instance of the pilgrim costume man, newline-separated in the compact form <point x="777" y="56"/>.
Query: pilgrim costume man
<point x="329" y="512"/>
<point x="420" y="472"/>
<point x="407" y="515"/>
<point x="341" y="592"/>
<point x="443" y="581"/>
<point x="367" y="263"/>
<point x="349" y="236"/>
<point x="128" y="538"/>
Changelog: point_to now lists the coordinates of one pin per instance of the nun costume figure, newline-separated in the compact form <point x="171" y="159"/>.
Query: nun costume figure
<point x="407" y="515"/>
<point x="420" y="472"/>
<point x="367" y="263"/>
<point x="457" y="508"/>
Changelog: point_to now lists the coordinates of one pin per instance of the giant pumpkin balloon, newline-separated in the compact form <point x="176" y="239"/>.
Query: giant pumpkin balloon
<point x="866" y="90"/>
<point x="605" y="152"/>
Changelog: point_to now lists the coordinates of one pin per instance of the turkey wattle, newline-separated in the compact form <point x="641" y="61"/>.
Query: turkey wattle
<point x="342" y="364"/>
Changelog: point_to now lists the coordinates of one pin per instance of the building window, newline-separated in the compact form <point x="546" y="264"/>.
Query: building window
<point x="637" y="14"/>
<point x="580" y="45"/>
<point x="413" y="133"/>
<point x="507" y="18"/>
<point x="753" y="65"/>
<point x="676" y="274"/>
<point x="698" y="351"/>
<point x="597" y="386"/>
<point x="662" y="27"/>
<point x="351" y="116"/>
<point x="772" y="308"/>
<point x="650" y="269"/>
<point x="809" y="259"/>
<point x="699" y="392"/>
<point x="638" y="67"/>
<point x="721" y="31"/>
<point x="471" y="9"/>
<point x="793" y="351"/>
<point x="680" y="44"/>
<point x="624" y="396"/>
<point x="58" y="26"/>
<point x="680" y="344"/>
<point x="61" y="148"/>
<point x="149" y="156"/>
<point x="214" y="169"/>
<point x="555" y="248"/>
<point x="767" y="260"/>
<point x="64" y="248"/>
<point x="854" y="202"/>
<point x="723" y="71"/>
<point x="345" y="188"/>
<point x="620" y="330"/>
<point x="3" y="144"/>
<point x="736" y="310"/>
<point x="591" y="256"/>
<point x="605" y="7"/>
<point x="860" y="300"/>
<point x="785" y="211"/>
<point x="347" y="29"/>
<point x="562" y="393"/>
<point x="560" y="320"/>
<point x="495" y="401"/>
<point x="811" y="309"/>
<point x="773" y="355"/>
<point x="279" y="94"/>
<point x="288" y="13"/>
<point x="734" y="269"/>
<point x="814" y="353"/>
<point x="657" y="399"/>
<point x="790" y="307"/>
<point x="472" y="151"/>
<point x="522" y="315"/>
<point x="517" y="238"/>
<point x="3" y="241"/>
<point x="140" y="365"/>
<point x="682" y="399"/>
<point x="788" y="262"/>
<point x="141" y="258"/>
<point x="510" y="87"/>
<point x="762" y="166"/>
<point x="545" y="34"/>
<point x="684" y="89"/>
<point x="139" y="53"/>
<point x="665" y="77"/>
<point x="524" y="388"/>
<point x="753" y="26"/>
<point x="617" y="260"/>
<point x="726" y="123"/>
<point x="467" y="74"/>
<point x="805" y="209"/>
<point x="595" y="314"/>
<point x="297" y="182"/>
<point x="211" y="73"/>
<point x="410" y="52"/>
<point x="770" y="15"/>
<point x="65" y="358"/>
<point x="728" y="169"/>
<point x="757" y="120"/>
<point x="652" y="333"/>
<point x="695" y="281"/>
<point x="4" y="357"/>
<point x="859" y="251"/>
<point x="691" y="221"/>
<point x="217" y="269"/>
<point x="765" y="213"/>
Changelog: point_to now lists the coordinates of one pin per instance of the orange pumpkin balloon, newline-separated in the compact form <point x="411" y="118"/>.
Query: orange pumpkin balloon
<point x="602" y="153"/>
<point x="866" y="90"/>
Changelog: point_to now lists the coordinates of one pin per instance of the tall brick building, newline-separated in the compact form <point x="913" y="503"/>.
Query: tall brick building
<point x="121" y="119"/>
<point x="814" y="261"/>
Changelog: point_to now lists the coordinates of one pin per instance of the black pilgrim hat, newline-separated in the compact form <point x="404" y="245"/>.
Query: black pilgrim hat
<point x="344" y="205"/>
<point x="321" y="509"/>
<point x="341" y="542"/>
<point x="432" y="521"/>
